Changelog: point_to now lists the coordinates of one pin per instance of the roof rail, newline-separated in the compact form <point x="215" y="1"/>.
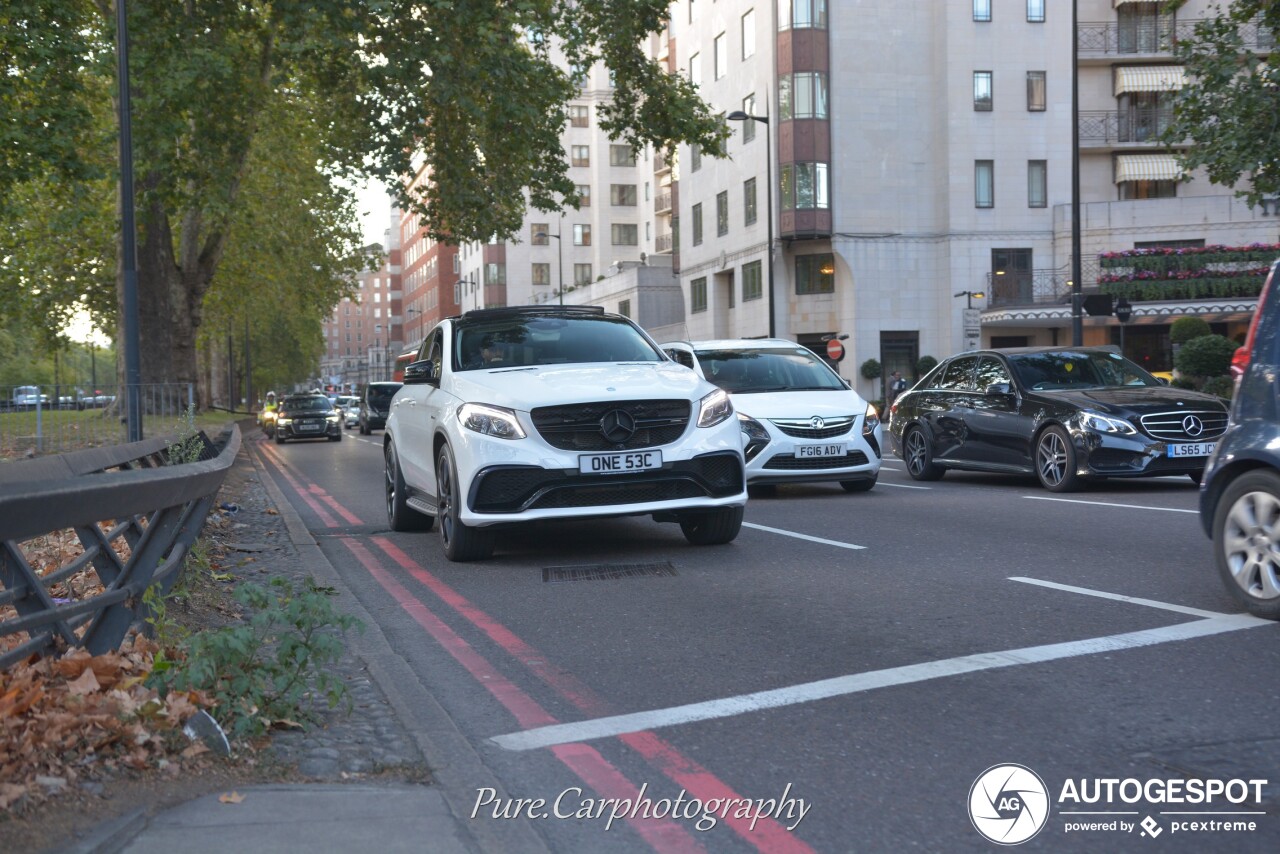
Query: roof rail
<point x="517" y="310"/>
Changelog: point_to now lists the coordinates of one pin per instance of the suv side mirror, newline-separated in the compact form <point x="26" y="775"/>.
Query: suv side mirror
<point x="418" y="373"/>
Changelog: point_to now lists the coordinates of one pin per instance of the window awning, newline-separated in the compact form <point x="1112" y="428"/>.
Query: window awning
<point x="1149" y="78"/>
<point x="1120" y="3"/>
<point x="1147" y="167"/>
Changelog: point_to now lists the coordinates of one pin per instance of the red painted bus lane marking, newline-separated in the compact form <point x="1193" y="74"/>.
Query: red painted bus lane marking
<point x="699" y="782"/>
<point x="585" y="761"/>
<point x="325" y="519"/>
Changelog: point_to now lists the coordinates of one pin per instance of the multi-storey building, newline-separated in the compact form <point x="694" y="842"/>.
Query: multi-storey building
<point x="558" y="254"/>
<point x="364" y="333"/>
<point x="431" y="269"/>
<point x="921" y="162"/>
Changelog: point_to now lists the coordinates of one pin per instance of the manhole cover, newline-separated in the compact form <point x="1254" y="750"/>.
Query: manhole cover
<point x="606" y="571"/>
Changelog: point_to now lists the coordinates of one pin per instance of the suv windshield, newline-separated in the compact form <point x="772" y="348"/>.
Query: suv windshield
<point x="307" y="404"/>
<point x="1078" y="369"/>
<point x="380" y="395"/>
<point x="790" y="368"/>
<point x="523" y="342"/>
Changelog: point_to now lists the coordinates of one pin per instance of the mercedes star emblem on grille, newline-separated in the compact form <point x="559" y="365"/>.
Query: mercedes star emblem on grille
<point x="816" y="422"/>
<point x="1192" y="425"/>
<point x="617" y="426"/>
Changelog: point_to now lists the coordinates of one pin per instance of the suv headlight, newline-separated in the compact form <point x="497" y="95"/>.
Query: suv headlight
<point x="754" y="429"/>
<point x="870" y="421"/>
<point x="1099" y="423"/>
<point x="491" y="421"/>
<point x="334" y="417"/>
<point x="714" y="408"/>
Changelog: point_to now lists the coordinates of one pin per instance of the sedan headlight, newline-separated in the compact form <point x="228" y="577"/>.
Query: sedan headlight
<point x="334" y="417"/>
<point x="491" y="421"/>
<point x="1099" y="423"/>
<point x="283" y="419"/>
<point x="871" y="421"/>
<point x="714" y="408"/>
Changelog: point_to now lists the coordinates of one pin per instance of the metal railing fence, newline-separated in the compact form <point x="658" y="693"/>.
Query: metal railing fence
<point x="135" y="511"/>
<point x="55" y="419"/>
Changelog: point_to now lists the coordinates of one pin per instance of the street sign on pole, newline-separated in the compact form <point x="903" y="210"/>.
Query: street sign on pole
<point x="835" y="350"/>
<point x="972" y="328"/>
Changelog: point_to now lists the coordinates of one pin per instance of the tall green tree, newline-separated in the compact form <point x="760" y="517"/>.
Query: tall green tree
<point x="1229" y="109"/>
<point x="467" y="88"/>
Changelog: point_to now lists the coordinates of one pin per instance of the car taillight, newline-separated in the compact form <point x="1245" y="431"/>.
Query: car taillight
<point x="1240" y="360"/>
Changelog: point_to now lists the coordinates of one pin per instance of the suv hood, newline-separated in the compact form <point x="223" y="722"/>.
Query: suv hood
<point x="1138" y="400"/>
<point x="800" y="404"/>
<point x="528" y="388"/>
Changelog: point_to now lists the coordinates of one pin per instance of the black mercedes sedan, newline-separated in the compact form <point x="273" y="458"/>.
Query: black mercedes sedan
<point x="1066" y="414"/>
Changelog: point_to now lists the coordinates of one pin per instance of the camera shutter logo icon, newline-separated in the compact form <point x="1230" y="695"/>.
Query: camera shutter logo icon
<point x="1008" y="804"/>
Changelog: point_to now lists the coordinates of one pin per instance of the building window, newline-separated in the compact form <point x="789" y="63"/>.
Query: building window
<point x="695" y="70"/>
<point x="722" y="213"/>
<point x="584" y="195"/>
<point x="749" y="34"/>
<point x="622" y="155"/>
<point x="622" y="195"/>
<point x="695" y="158"/>
<point x="816" y="274"/>
<point x="698" y="295"/>
<point x="749" y="201"/>
<point x="648" y="231"/>
<point x="982" y="91"/>
<point x="582" y="235"/>
<point x="539" y="234"/>
<point x="802" y="14"/>
<point x="1036" y="91"/>
<point x="1133" y="190"/>
<point x="697" y="224"/>
<point x="495" y="274"/>
<point x="749" y="126"/>
<point x="624" y="307"/>
<point x="541" y="274"/>
<point x="1037" y="184"/>
<point x="804" y="186"/>
<point x="802" y="95"/>
<point x="624" y="234"/>
<point x="984" y="184"/>
<point x="720" y="53"/>
<point x="580" y="155"/>
<point x="751" y="281"/>
<point x="581" y="274"/>
<point x="982" y="10"/>
<point x="579" y="116"/>
<point x="1035" y="11"/>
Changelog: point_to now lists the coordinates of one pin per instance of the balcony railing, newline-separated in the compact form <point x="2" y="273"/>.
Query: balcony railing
<point x="1110" y="38"/>
<point x="1039" y="287"/>
<point x="660" y="162"/>
<point x="662" y="243"/>
<point x="1123" y="127"/>
<point x="662" y="203"/>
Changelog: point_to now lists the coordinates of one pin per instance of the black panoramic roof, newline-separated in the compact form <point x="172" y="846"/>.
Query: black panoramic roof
<point x="1061" y="348"/>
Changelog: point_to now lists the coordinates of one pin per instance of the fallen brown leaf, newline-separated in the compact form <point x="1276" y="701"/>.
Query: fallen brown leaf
<point x="231" y="798"/>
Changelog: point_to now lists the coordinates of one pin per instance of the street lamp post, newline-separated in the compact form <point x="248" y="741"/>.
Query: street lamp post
<point x="559" y="256"/>
<point x="970" y="295"/>
<point x="740" y="116"/>
<point x="1077" y="293"/>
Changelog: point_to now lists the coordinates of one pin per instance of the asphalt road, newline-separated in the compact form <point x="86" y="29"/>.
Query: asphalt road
<point x="869" y="654"/>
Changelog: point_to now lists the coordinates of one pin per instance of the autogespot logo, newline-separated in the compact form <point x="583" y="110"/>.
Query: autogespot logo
<point x="1008" y="804"/>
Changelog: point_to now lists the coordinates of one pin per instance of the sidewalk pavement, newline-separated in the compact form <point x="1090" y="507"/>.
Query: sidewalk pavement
<point x="312" y="818"/>
<point x="335" y="817"/>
